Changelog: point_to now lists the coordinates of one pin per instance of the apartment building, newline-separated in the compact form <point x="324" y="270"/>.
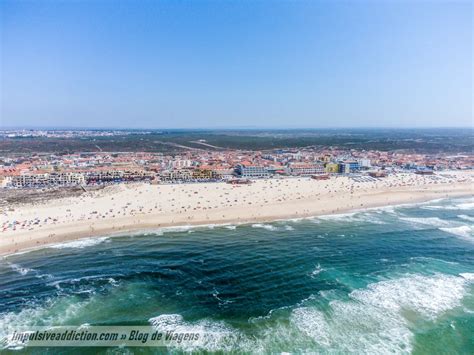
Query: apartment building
<point x="47" y="179"/>
<point x="248" y="171"/>
<point x="305" y="169"/>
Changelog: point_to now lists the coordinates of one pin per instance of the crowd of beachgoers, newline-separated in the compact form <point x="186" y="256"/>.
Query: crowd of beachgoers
<point x="121" y="206"/>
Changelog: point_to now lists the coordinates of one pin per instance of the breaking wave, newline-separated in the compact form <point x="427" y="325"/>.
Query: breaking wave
<point x="54" y="312"/>
<point x="465" y="217"/>
<point x="372" y="217"/>
<point x="21" y="270"/>
<point x="272" y="227"/>
<point x="371" y="320"/>
<point x="430" y="221"/>
<point x="264" y="226"/>
<point x="372" y="292"/>
<point x="214" y="335"/>
<point x="460" y="204"/>
<point x="79" y="244"/>
<point x="466" y="232"/>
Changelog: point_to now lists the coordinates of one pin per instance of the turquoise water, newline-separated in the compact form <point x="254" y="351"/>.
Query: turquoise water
<point x="392" y="280"/>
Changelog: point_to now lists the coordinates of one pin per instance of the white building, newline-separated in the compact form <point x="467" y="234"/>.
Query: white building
<point x="251" y="171"/>
<point x="365" y="163"/>
<point x="47" y="179"/>
<point x="180" y="163"/>
<point x="305" y="169"/>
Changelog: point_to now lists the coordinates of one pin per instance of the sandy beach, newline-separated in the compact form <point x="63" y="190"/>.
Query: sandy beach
<point x="126" y="208"/>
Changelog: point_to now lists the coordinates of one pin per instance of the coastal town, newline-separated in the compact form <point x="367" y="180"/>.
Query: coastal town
<point x="51" y="197"/>
<point x="236" y="177"/>
<point x="201" y="165"/>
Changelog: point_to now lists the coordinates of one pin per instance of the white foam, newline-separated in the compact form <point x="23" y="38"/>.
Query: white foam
<point x="57" y="283"/>
<point x="296" y="220"/>
<point x="173" y="229"/>
<point x="463" y="231"/>
<point x="386" y="209"/>
<point x="79" y="244"/>
<point x="369" y="218"/>
<point x="336" y="217"/>
<point x="264" y="226"/>
<point x="113" y="282"/>
<point x="166" y="322"/>
<point x="10" y="322"/>
<point x="436" y="207"/>
<point x="177" y="229"/>
<point x="463" y="204"/>
<point x="430" y="259"/>
<point x="155" y="232"/>
<point x="429" y="296"/>
<point x="392" y="208"/>
<point x="360" y="216"/>
<point x="317" y="270"/>
<point x="349" y="326"/>
<point x="180" y="228"/>
<point x="431" y="221"/>
<point x="214" y="336"/>
<point x="466" y="206"/>
<point x="187" y="228"/>
<point x="465" y="217"/>
<point x="24" y="271"/>
<point x="52" y="313"/>
<point x="313" y="323"/>
<point x="373" y="321"/>
<point x="468" y="276"/>
<point x="21" y="270"/>
<point x="271" y="227"/>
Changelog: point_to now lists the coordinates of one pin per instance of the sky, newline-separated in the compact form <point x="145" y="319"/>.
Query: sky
<point x="236" y="64"/>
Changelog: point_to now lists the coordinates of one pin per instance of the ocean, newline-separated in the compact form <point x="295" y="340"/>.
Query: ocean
<point x="389" y="280"/>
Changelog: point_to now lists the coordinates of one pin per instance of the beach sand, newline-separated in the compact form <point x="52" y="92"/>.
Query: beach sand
<point x="126" y="208"/>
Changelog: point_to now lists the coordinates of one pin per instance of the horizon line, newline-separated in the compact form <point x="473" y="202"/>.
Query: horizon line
<point x="243" y="128"/>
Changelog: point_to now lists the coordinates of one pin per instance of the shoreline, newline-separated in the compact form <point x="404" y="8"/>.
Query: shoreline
<point x="220" y="224"/>
<point x="365" y="198"/>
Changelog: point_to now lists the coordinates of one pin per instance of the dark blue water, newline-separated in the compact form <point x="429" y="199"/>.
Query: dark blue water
<point x="390" y="280"/>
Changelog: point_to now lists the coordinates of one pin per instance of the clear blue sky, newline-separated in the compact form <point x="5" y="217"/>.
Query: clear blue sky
<point x="187" y="64"/>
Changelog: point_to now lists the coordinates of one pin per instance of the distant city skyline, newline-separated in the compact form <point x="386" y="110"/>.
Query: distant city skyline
<point x="236" y="65"/>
